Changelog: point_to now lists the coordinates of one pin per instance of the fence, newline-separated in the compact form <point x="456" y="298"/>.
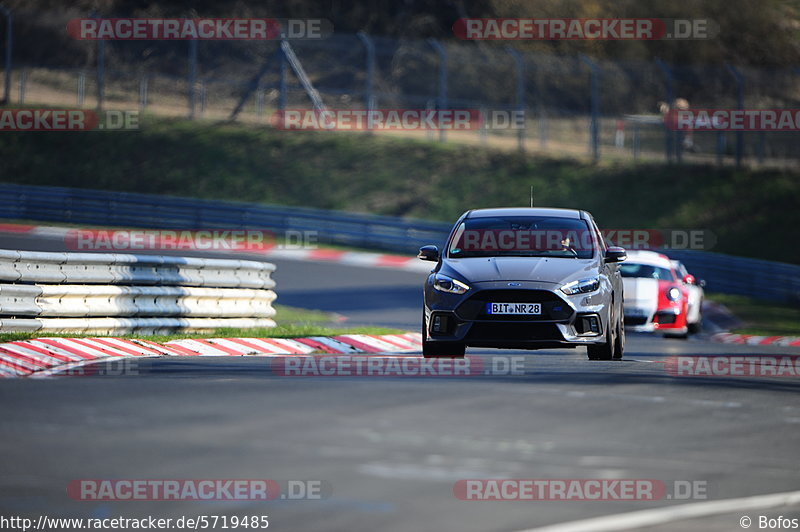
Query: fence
<point x="573" y="105"/>
<point x="120" y="293"/>
<point x="723" y="273"/>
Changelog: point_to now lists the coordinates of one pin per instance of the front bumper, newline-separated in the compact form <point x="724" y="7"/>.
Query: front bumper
<point x="565" y="321"/>
<point x="671" y="319"/>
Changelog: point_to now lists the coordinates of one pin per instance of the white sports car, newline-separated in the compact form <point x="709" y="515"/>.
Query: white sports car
<point x="694" y="312"/>
<point x="655" y="298"/>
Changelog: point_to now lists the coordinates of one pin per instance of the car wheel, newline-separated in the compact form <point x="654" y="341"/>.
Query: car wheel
<point x="695" y="328"/>
<point x="603" y="351"/>
<point x="619" y="348"/>
<point x="440" y="349"/>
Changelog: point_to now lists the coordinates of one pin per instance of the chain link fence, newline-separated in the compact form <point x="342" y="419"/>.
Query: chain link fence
<point x="573" y="105"/>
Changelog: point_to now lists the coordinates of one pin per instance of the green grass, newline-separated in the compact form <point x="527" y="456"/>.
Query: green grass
<point x="748" y="210"/>
<point x="300" y="316"/>
<point x="292" y="322"/>
<point x="760" y="317"/>
<point x="281" y="331"/>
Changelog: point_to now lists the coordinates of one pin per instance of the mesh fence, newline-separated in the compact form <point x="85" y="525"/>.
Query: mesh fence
<point x="562" y="96"/>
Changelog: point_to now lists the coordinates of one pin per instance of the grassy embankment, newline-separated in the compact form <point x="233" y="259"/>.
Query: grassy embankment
<point x="751" y="212"/>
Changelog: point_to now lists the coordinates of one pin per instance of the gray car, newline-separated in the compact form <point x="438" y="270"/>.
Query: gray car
<point x="526" y="278"/>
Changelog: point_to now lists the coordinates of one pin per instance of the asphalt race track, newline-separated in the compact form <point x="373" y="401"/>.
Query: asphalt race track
<point x="391" y="449"/>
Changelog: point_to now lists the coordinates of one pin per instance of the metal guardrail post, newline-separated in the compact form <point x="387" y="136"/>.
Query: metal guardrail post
<point x="144" y="83"/>
<point x="482" y="131"/>
<point x="541" y="113"/>
<point x="520" y="65"/>
<point x="9" y="45"/>
<point x="669" y="135"/>
<point x="259" y="101"/>
<point x="305" y="81"/>
<point x="101" y="73"/>
<point x="369" y="88"/>
<point x="100" y="84"/>
<point x="23" y="81"/>
<point x="281" y="79"/>
<point x="739" y="105"/>
<point x="442" y="97"/>
<point x="192" y="80"/>
<point x="81" y="88"/>
<point x="594" y="137"/>
<point x="430" y="105"/>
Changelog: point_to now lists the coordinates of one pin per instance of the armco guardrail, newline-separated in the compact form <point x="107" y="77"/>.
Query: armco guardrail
<point x="114" y="293"/>
<point x="149" y="211"/>
<point x="723" y="273"/>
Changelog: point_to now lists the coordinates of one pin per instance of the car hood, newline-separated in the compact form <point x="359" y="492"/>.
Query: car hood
<point x="543" y="269"/>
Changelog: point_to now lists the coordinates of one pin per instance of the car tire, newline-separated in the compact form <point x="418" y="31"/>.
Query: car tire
<point x="695" y="328"/>
<point x="678" y="336"/>
<point x="604" y="351"/>
<point x="619" y="347"/>
<point x="684" y="335"/>
<point x="440" y="349"/>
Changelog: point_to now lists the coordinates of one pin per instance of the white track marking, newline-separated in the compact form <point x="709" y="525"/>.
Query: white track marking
<point x="669" y="514"/>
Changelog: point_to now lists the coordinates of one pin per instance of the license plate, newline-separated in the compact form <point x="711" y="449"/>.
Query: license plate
<point x="514" y="308"/>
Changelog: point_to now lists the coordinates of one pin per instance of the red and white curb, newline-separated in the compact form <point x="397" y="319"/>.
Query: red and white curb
<point x="352" y="258"/>
<point x="751" y="339"/>
<point x="50" y="356"/>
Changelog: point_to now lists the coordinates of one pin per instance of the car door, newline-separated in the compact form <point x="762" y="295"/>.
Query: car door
<point x="611" y="271"/>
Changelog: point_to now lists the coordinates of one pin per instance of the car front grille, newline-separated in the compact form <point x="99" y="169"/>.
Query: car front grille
<point x="635" y="320"/>
<point x="513" y="332"/>
<point x="553" y="307"/>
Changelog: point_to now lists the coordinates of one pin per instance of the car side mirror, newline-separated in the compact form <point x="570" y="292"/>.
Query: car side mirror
<point x="616" y="254"/>
<point x="689" y="279"/>
<point x="430" y="253"/>
<point x="701" y="283"/>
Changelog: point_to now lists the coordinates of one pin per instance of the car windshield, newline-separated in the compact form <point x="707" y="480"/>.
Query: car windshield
<point x="523" y="236"/>
<point x="630" y="269"/>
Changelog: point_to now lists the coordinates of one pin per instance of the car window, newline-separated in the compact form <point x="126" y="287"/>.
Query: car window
<point x="631" y="269"/>
<point x="457" y="236"/>
<point x="599" y="236"/>
<point x="523" y="236"/>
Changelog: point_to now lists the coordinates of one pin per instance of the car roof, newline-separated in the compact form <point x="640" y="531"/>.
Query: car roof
<point x="526" y="211"/>
<point x="651" y="258"/>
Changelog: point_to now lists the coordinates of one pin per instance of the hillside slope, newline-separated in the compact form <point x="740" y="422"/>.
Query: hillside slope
<point x="753" y="213"/>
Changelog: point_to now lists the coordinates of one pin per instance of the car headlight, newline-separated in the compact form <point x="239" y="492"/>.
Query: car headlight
<point x="447" y="284"/>
<point x="584" y="286"/>
<point x="674" y="294"/>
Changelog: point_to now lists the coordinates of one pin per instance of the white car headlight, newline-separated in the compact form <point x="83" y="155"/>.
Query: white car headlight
<point x="674" y="294"/>
<point x="584" y="286"/>
<point x="447" y="284"/>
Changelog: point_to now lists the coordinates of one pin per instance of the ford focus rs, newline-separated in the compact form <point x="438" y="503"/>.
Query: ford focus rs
<point x="526" y="278"/>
